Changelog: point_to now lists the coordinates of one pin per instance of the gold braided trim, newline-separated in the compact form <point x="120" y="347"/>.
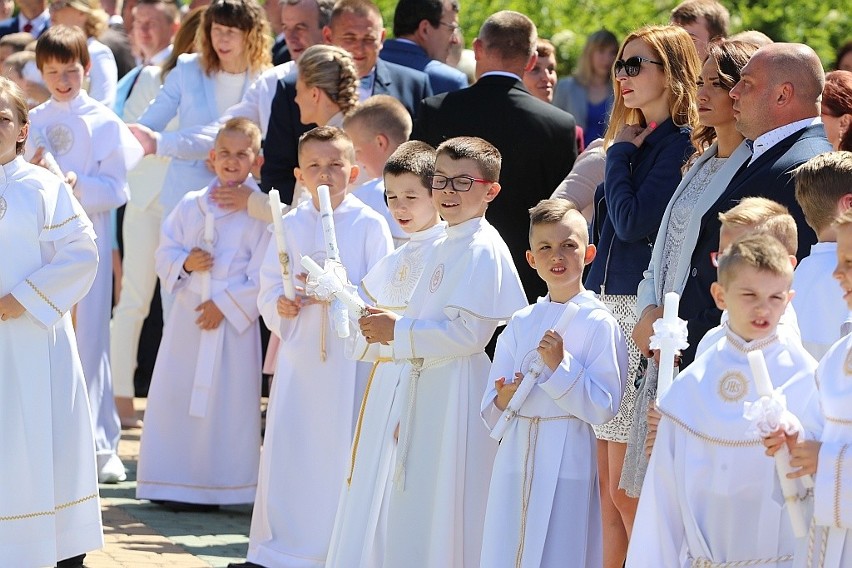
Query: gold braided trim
<point x="572" y="385"/>
<point x="367" y="293"/>
<point x="44" y="297"/>
<point x="357" y="437"/>
<point x="844" y="421"/>
<point x="707" y="563"/>
<point x="411" y="339"/>
<point x="478" y="316"/>
<point x="62" y="224"/>
<point x="712" y="439"/>
<point x="61" y="507"/>
<point x="838" y="479"/>
<point x="191" y="485"/>
<point x="547" y="418"/>
<point x="237" y="305"/>
<point x="758" y="345"/>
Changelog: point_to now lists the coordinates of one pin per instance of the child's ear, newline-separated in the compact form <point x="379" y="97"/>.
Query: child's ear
<point x="382" y="140"/>
<point x="353" y="173"/>
<point x="297" y="173"/>
<point x="530" y="259"/>
<point x="492" y="192"/>
<point x="718" y="294"/>
<point x="212" y="156"/>
<point x="87" y="68"/>
<point x="844" y="203"/>
<point x="258" y="161"/>
<point x="793" y="260"/>
<point x="790" y="295"/>
<point x="591" y="253"/>
<point x="25" y="131"/>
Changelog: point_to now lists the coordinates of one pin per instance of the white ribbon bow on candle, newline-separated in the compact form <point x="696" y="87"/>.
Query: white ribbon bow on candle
<point x="769" y="413"/>
<point x="675" y="331"/>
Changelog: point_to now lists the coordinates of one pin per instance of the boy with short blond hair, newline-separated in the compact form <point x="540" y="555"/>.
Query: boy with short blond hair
<point x="829" y="458"/>
<point x="316" y="392"/>
<point x="360" y="525"/>
<point x="205" y="390"/>
<point x="824" y="191"/>
<point x="556" y="519"/>
<point x="467" y="289"/>
<point x="696" y="501"/>
<point x="377" y="127"/>
<point x="95" y="150"/>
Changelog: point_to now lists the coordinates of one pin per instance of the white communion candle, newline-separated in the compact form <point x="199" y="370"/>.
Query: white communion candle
<point x="668" y="351"/>
<point x="327" y="216"/>
<point x="281" y="241"/>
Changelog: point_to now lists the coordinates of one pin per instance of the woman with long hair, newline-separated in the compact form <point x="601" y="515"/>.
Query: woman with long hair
<point x="837" y="109"/>
<point x="588" y="94"/>
<point x="92" y="19"/>
<point x="233" y="48"/>
<point x="647" y="142"/>
<point x="327" y="87"/>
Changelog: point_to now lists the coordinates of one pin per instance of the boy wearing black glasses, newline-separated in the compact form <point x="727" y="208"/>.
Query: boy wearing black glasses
<point x="468" y="288"/>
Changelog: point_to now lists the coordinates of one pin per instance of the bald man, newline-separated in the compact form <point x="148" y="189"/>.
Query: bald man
<point x="776" y="106"/>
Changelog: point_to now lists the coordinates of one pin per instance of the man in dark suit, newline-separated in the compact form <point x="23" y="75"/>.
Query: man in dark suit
<point x="356" y="26"/>
<point x="776" y="106"/>
<point x="425" y="32"/>
<point x="32" y="18"/>
<point x="537" y="140"/>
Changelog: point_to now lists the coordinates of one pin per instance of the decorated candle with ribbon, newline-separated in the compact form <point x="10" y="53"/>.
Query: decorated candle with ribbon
<point x="281" y="241"/>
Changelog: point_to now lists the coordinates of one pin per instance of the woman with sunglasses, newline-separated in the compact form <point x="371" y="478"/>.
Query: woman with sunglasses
<point x="647" y="142"/>
<point x="720" y="152"/>
<point x="233" y="48"/>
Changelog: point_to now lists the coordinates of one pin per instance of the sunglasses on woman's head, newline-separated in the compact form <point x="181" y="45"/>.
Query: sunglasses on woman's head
<point x="632" y="65"/>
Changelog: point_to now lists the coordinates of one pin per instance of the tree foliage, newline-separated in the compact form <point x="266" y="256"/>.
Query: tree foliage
<point x="822" y="24"/>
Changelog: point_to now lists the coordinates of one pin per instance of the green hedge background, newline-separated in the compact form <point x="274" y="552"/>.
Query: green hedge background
<point x="822" y="24"/>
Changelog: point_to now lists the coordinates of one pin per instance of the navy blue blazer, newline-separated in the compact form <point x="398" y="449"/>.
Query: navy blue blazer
<point x="442" y="77"/>
<point x="630" y="203"/>
<point x="768" y="176"/>
<point x="10" y="26"/>
<point x="280" y="148"/>
<point x="280" y="52"/>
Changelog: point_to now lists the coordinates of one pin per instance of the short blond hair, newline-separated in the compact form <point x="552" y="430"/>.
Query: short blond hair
<point x="381" y="114"/>
<point x="243" y="126"/>
<point x="760" y="251"/>
<point x="820" y="183"/>
<point x="554" y="210"/>
<point x="763" y="215"/>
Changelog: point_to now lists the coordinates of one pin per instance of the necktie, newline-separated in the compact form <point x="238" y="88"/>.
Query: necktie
<point x="28" y="27"/>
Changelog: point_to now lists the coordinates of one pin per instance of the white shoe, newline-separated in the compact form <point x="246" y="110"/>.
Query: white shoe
<point x="112" y="471"/>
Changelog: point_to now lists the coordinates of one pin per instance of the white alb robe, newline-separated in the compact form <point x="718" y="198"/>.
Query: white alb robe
<point x="201" y="444"/>
<point x="832" y="544"/>
<point x="711" y="493"/>
<point x="49" y="508"/>
<point x="819" y="300"/>
<point x="360" y="524"/>
<point x="445" y="454"/>
<point x="89" y="139"/>
<point x="544" y="500"/>
<point x="313" y="403"/>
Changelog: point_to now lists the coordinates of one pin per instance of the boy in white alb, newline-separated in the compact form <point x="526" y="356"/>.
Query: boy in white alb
<point x="360" y="525"/>
<point x="830" y="541"/>
<point x="824" y="190"/>
<point x="469" y="287"/>
<point x="711" y="496"/>
<point x="544" y="501"/>
<point x="201" y="442"/>
<point x="317" y="390"/>
<point x="95" y="150"/>
<point x="377" y="127"/>
<point x="49" y="494"/>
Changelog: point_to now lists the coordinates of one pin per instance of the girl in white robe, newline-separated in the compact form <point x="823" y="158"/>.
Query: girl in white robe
<point x="314" y="400"/>
<point x="88" y="139"/>
<point x="543" y="502"/>
<point x="49" y="507"/>
<point x="201" y="442"/>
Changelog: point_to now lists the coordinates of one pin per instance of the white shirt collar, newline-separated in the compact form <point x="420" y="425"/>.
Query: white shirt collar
<point x="159" y="57"/>
<point x="769" y="139"/>
<point x="39" y="22"/>
<point x="500" y="74"/>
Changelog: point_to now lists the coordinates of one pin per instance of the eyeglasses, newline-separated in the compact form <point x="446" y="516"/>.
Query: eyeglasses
<point x="632" y="65"/>
<point x="453" y="27"/>
<point x="458" y="183"/>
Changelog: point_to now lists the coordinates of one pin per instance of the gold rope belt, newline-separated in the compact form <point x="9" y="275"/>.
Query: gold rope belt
<point x="357" y="438"/>
<point x="707" y="563"/>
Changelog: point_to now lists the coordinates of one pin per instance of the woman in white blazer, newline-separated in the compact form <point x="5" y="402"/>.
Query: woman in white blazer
<point x="721" y="152"/>
<point x="234" y="48"/>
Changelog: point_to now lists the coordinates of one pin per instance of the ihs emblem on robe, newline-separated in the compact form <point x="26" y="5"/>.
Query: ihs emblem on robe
<point x="733" y="386"/>
<point x="437" y="277"/>
<point x="61" y="139"/>
<point x="405" y="277"/>
<point x="847" y="363"/>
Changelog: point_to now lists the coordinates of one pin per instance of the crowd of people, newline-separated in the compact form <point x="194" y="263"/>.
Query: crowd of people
<point x="465" y="277"/>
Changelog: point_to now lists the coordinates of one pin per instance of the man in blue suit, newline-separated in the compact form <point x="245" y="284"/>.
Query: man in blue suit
<point x="777" y="108"/>
<point x="32" y="18"/>
<point x="425" y="31"/>
<point x="357" y="27"/>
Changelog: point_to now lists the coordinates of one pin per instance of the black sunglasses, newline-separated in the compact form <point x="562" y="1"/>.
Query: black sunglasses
<point x="632" y="65"/>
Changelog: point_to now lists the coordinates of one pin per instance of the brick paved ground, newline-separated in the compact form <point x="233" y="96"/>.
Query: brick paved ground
<point x="141" y="535"/>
